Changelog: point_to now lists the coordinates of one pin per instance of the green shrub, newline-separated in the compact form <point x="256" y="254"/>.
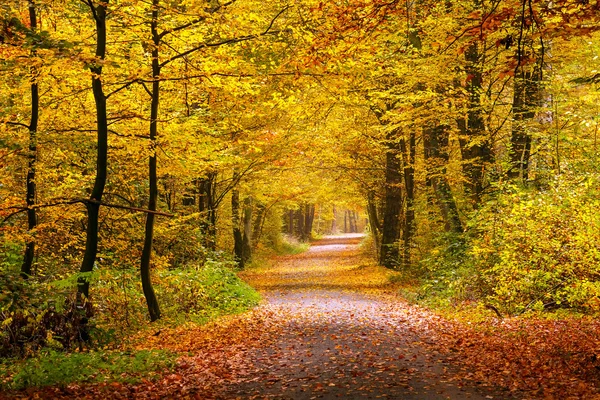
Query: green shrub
<point x="195" y="293"/>
<point x="53" y="368"/>
<point x="204" y="293"/>
<point x="36" y="314"/>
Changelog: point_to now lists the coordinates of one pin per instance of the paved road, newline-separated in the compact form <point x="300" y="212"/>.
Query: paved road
<point x="339" y="341"/>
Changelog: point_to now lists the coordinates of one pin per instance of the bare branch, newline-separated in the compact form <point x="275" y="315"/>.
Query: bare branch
<point x="22" y="125"/>
<point x="125" y="86"/>
<point x="63" y="202"/>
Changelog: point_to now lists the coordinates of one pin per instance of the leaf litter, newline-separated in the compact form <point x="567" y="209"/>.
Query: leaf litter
<point x="331" y="326"/>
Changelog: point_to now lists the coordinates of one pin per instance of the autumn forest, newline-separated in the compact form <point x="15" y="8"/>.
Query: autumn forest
<point x="299" y="199"/>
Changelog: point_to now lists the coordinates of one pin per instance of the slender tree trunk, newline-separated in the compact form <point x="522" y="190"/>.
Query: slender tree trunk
<point x="475" y="146"/>
<point x="318" y="228"/>
<point x="300" y="226"/>
<point x="147" y="288"/>
<point x="258" y="223"/>
<point x="93" y="206"/>
<point x="309" y="216"/>
<point x="207" y="210"/>
<point x="436" y="141"/>
<point x="26" y="267"/>
<point x="247" y="234"/>
<point x="345" y="221"/>
<point x="374" y="222"/>
<point x="390" y="234"/>
<point x="409" y="228"/>
<point x="334" y="222"/>
<point x="525" y="100"/>
<point x="238" y="240"/>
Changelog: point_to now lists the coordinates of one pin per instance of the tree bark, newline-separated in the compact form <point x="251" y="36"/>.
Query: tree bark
<point x="475" y="146"/>
<point x="151" y="300"/>
<point x="93" y="207"/>
<point x="525" y="99"/>
<point x="26" y="267"/>
<point x="374" y="222"/>
<point x="247" y="234"/>
<point x="207" y="210"/>
<point x="345" y="221"/>
<point x="436" y="140"/>
<point x="390" y="234"/>
<point x="300" y="223"/>
<point x="309" y="216"/>
<point x="238" y="240"/>
<point x="408" y="230"/>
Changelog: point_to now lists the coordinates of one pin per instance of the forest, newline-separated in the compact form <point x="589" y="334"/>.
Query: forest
<point x="167" y="163"/>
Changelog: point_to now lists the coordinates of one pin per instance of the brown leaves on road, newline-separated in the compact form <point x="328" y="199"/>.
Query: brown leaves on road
<point x="330" y="328"/>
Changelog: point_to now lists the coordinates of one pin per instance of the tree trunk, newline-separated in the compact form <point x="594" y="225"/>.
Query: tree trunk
<point x="436" y="141"/>
<point x="409" y="185"/>
<point x="334" y="222"/>
<point x="525" y="100"/>
<point x="475" y="146"/>
<point x="238" y="240"/>
<point x="93" y="206"/>
<point x="345" y="221"/>
<point x="207" y="210"/>
<point x="389" y="253"/>
<point x="26" y="267"/>
<point x="300" y="223"/>
<point x="309" y="216"/>
<point x="147" y="288"/>
<point x="258" y="223"/>
<point x="374" y="223"/>
<point x="247" y="234"/>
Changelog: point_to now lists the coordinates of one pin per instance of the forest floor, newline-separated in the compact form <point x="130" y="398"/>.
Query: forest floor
<point x="331" y="326"/>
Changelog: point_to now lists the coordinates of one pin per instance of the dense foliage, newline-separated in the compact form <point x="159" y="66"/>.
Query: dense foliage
<point x="151" y="148"/>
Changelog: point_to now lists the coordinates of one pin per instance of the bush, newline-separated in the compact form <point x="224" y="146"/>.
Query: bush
<point x="34" y="315"/>
<point x="37" y="314"/>
<point x="204" y="293"/>
<point x="195" y="293"/>
<point x="290" y="245"/>
<point x="54" y="368"/>
<point x="541" y="250"/>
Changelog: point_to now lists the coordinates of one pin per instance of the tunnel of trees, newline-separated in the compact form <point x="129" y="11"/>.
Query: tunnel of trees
<point x="141" y="142"/>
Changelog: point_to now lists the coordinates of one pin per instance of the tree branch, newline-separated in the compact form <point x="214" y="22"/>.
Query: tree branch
<point x="227" y="41"/>
<point x="22" y="125"/>
<point x="63" y="202"/>
<point x="194" y="22"/>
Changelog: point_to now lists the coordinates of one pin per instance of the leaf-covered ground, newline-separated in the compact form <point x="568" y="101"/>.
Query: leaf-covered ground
<point x="330" y="327"/>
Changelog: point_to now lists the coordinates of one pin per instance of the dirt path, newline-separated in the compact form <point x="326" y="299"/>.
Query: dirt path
<point x="341" y="337"/>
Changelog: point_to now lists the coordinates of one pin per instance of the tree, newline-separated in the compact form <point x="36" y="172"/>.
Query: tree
<point x="32" y="154"/>
<point x="98" y="12"/>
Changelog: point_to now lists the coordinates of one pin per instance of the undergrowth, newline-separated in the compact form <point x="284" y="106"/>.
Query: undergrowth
<point x="525" y="253"/>
<point x="52" y="368"/>
<point x="290" y="246"/>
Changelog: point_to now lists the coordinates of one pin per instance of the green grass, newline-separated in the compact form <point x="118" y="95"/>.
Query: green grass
<point x="291" y="246"/>
<point x="204" y="294"/>
<point x="52" y="368"/>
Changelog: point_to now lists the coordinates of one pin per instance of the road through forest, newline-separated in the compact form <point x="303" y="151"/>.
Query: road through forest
<point x="330" y="327"/>
<point x="342" y="336"/>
